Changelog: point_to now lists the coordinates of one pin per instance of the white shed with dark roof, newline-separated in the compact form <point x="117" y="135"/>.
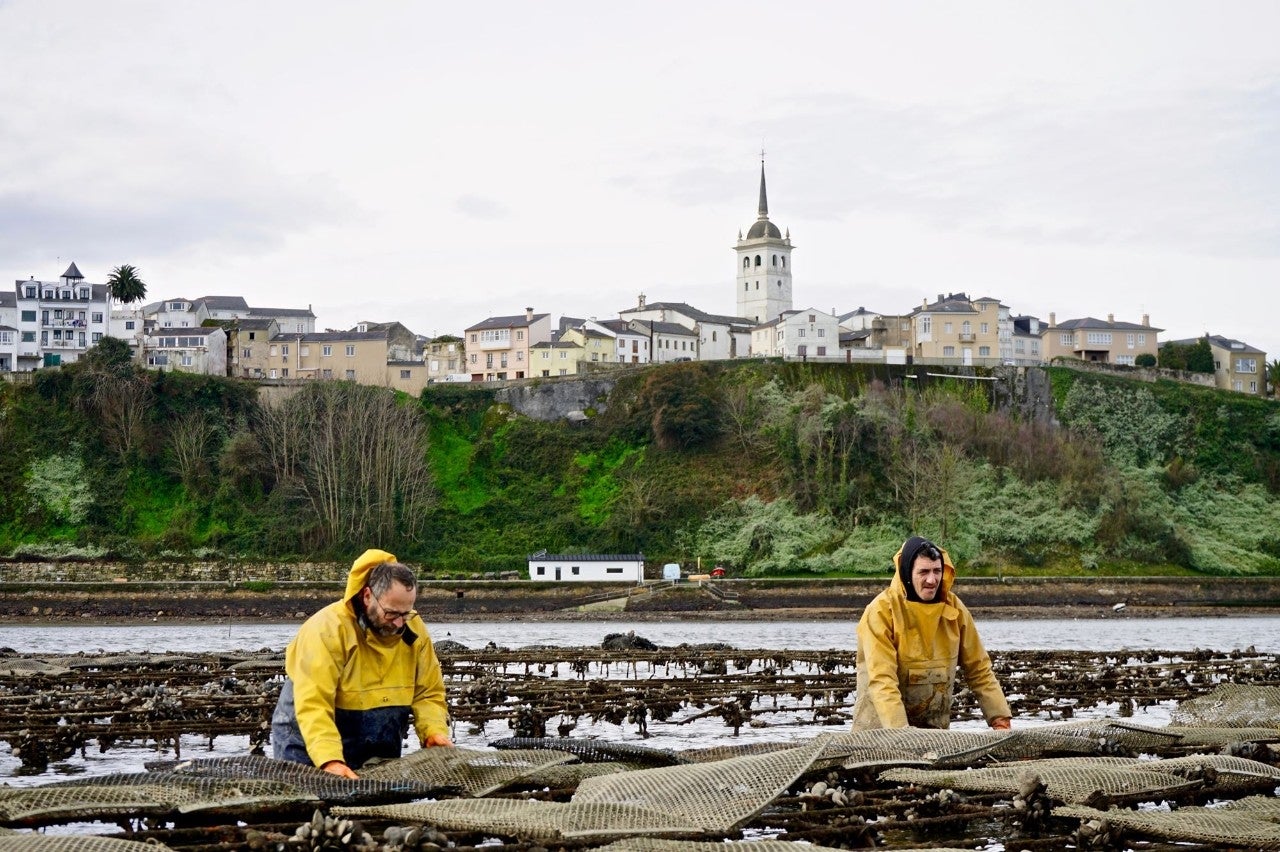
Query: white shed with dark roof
<point x="587" y="567"/>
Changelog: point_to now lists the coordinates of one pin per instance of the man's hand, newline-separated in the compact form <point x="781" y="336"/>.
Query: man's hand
<point x="438" y="740"/>
<point x="337" y="767"/>
<point x="1001" y="723"/>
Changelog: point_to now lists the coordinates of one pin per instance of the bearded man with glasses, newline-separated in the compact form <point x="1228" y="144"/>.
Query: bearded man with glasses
<point x="359" y="671"/>
<point x="911" y="639"/>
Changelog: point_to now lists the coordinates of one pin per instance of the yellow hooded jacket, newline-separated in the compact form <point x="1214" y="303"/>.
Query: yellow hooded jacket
<point x="350" y="691"/>
<point x="907" y="658"/>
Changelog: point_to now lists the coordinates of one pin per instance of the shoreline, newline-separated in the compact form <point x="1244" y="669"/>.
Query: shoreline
<point x="980" y="614"/>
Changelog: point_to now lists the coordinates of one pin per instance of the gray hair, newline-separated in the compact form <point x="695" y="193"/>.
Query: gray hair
<point x="382" y="576"/>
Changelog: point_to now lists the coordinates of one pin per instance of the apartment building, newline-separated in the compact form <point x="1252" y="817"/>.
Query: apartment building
<point x="959" y="330"/>
<point x="1105" y="341"/>
<point x="53" y="322"/>
<point x="807" y="334"/>
<point x="599" y="344"/>
<point x="1237" y="366"/>
<point x="187" y="350"/>
<point x="498" y="347"/>
<point x="180" y="312"/>
<point x="248" y="340"/>
<point x="667" y="341"/>
<point x="1027" y="334"/>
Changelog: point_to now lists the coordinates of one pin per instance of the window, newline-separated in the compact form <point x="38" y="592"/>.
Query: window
<point x="985" y="327"/>
<point x="1253" y="387"/>
<point x="1067" y="339"/>
<point x="1142" y="340"/>
<point x="1246" y="365"/>
<point x="613" y="570"/>
<point x="273" y="375"/>
<point x="28" y="337"/>
<point x="351" y="375"/>
<point x="799" y="332"/>
<point x="284" y="349"/>
<point x="802" y="350"/>
<point x="984" y="351"/>
<point x="775" y="260"/>
<point x="948" y="351"/>
<point x="473" y="357"/>
<point x="246" y="353"/>
<point x="28" y="316"/>
<point x="6" y="337"/>
<point x="326" y="374"/>
<point x="405" y="374"/>
<point x="757" y="263"/>
<point x="520" y="335"/>
<point x="1019" y="346"/>
<point x="926" y="324"/>
<point x="97" y="316"/>
<point x="812" y="318"/>
<point x="351" y="351"/>
<point x="84" y="292"/>
<point x="946" y="328"/>
<point x="1099" y="338"/>
<point x="31" y="292"/>
<point x="326" y="350"/>
<point x="299" y="328"/>
<point x="128" y="325"/>
<point x="966" y="327"/>
<point x="177" y="306"/>
<point x="473" y="338"/>
<point x="274" y="350"/>
<point x="520" y="355"/>
<point x="746" y="263"/>
<point x="187" y="361"/>
<point x="822" y="350"/>
<point x="563" y="371"/>
<point x="1035" y="347"/>
<point x="575" y="570"/>
<point x="252" y="334"/>
<point x="1126" y="360"/>
<point x="822" y="332"/>
<point x="540" y="570"/>
<point x="1130" y="339"/>
<point x="563" y="354"/>
<point x="1237" y="385"/>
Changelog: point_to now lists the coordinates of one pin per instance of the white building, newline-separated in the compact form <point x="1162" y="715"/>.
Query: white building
<point x="189" y="350"/>
<point x="717" y="337"/>
<point x="632" y="345"/>
<point x="587" y="567"/>
<point x="180" y="312"/>
<point x="53" y="322"/>
<point x="804" y="335"/>
<point x="764" y="266"/>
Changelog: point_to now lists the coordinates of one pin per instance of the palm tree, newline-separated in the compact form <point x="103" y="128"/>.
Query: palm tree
<point x="1273" y="375"/>
<point x="126" y="286"/>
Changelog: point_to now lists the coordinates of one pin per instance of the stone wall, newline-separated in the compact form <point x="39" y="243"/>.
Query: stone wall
<point x="44" y="574"/>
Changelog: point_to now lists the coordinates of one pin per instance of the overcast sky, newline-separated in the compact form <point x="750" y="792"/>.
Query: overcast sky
<point x="440" y="163"/>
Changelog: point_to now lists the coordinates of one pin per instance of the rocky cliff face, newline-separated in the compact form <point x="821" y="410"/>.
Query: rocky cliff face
<point x="576" y="398"/>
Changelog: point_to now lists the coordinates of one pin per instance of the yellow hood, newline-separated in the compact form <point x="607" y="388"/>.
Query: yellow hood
<point x="948" y="575"/>
<point x="360" y="569"/>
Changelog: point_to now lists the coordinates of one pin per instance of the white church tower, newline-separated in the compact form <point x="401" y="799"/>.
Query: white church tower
<point x="764" y="266"/>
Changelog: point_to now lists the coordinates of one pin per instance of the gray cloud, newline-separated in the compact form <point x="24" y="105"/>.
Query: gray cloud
<point x="1196" y="172"/>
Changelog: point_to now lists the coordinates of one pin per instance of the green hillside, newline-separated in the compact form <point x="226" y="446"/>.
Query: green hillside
<point x="773" y="469"/>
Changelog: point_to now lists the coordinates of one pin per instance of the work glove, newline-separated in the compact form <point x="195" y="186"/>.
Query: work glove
<point x="1001" y="723"/>
<point x="438" y="740"/>
<point x="337" y="767"/>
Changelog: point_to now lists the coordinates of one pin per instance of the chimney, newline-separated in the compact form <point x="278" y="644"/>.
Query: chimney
<point x="1053" y="319"/>
<point x="924" y="303"/>
<point x="1111" y="318"/>
<point x="940" y="297"/>
<point x="642" y="300"/>
<point x="1146" y="320"/>
<point x="528" y="314"/>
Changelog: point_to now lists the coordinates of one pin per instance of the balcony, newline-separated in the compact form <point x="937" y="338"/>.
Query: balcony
<point x="966" y="337"/>
<point x="63" y="323"/>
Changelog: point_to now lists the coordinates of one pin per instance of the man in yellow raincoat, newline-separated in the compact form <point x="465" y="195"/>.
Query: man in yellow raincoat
<point x="359" y="670"/>
<point x="911" y="638"/>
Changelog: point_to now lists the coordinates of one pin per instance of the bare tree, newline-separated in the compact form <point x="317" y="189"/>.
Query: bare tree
<point x="357" y="457"/>
<point x="191" y="444"/>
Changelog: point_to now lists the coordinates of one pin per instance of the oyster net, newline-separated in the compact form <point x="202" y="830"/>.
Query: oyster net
<point x="1250" y="822"/>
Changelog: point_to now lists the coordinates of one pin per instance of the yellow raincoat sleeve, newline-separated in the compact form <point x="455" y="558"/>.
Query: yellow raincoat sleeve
<point x="430" y="713"/>
<point x="976" y="664"/>
<point x="314" y="664"/>
<point x="879" y="648"/>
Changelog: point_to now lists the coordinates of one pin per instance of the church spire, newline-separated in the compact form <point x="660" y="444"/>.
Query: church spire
<point x="763" y="211"/>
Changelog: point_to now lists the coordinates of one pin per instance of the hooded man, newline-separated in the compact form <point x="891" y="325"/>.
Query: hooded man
<point x="358" y="670"/>
<point x="911" y="637"/>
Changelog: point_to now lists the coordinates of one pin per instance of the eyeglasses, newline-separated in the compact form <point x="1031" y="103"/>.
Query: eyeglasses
<point x="393" y="614"/>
